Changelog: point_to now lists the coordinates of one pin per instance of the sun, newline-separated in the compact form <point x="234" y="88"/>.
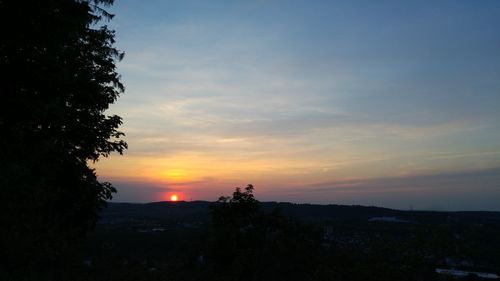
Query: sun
<point x="174" y="197"/>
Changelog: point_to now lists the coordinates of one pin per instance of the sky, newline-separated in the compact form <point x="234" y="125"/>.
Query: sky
<point x="385" y="103"/>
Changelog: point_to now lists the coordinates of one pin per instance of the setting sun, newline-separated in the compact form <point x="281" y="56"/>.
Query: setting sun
<point x="174" y="197"/>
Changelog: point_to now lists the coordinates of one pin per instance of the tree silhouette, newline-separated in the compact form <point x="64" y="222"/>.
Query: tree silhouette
<point x="252" y="244"/>
<point x="57" y="61"/>
<point x="236" y="211"/>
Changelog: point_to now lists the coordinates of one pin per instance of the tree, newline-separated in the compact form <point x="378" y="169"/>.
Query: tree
<point x="249" y="243"/>
<point x="57" y="61"/>
<point x="236" y="211"/>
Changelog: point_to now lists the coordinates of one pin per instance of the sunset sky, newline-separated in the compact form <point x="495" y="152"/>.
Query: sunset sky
<point x="385" y="103"/>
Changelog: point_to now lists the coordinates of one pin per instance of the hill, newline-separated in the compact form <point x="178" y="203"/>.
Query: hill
<point x="175" y="212"/>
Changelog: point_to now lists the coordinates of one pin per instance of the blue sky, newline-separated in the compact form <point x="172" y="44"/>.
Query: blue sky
<point x="390" y="103"/>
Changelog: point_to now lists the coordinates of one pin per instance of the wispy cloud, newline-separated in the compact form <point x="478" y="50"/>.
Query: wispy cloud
<point x="298" y="93"/>
<point x="460" y="190"/>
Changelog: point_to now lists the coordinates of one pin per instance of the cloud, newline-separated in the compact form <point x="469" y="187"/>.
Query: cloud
<point x="138" y="191"/>
<point x="307" y="93"/>
<point x="461" y="190"/>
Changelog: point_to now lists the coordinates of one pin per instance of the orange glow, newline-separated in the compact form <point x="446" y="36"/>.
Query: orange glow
<point x="174" y="197"/>
<point x="174" y="175"/>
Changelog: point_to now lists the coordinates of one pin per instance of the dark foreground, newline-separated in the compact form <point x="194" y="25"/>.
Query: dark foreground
<point x="178" y="241"/>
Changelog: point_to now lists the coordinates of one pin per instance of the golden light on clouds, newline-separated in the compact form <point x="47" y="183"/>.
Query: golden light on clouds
<point x="261" y="110"/>
<point x="174" y="175"/>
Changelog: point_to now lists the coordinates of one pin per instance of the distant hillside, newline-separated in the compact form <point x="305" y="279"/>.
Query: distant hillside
<point x="200" y="211"/>
<point x="158" y="211"/>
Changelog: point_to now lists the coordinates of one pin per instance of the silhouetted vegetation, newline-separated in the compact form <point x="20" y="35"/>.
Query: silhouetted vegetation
<point x="240" y="238"/>
<point x="250" y="244"/>
<point x="58" y="78"/>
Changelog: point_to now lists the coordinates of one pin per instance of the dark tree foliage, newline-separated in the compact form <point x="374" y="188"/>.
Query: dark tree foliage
<point x="236" y="211"/>
<point x="251" y="244"/>
<point x="57" y="63"/>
